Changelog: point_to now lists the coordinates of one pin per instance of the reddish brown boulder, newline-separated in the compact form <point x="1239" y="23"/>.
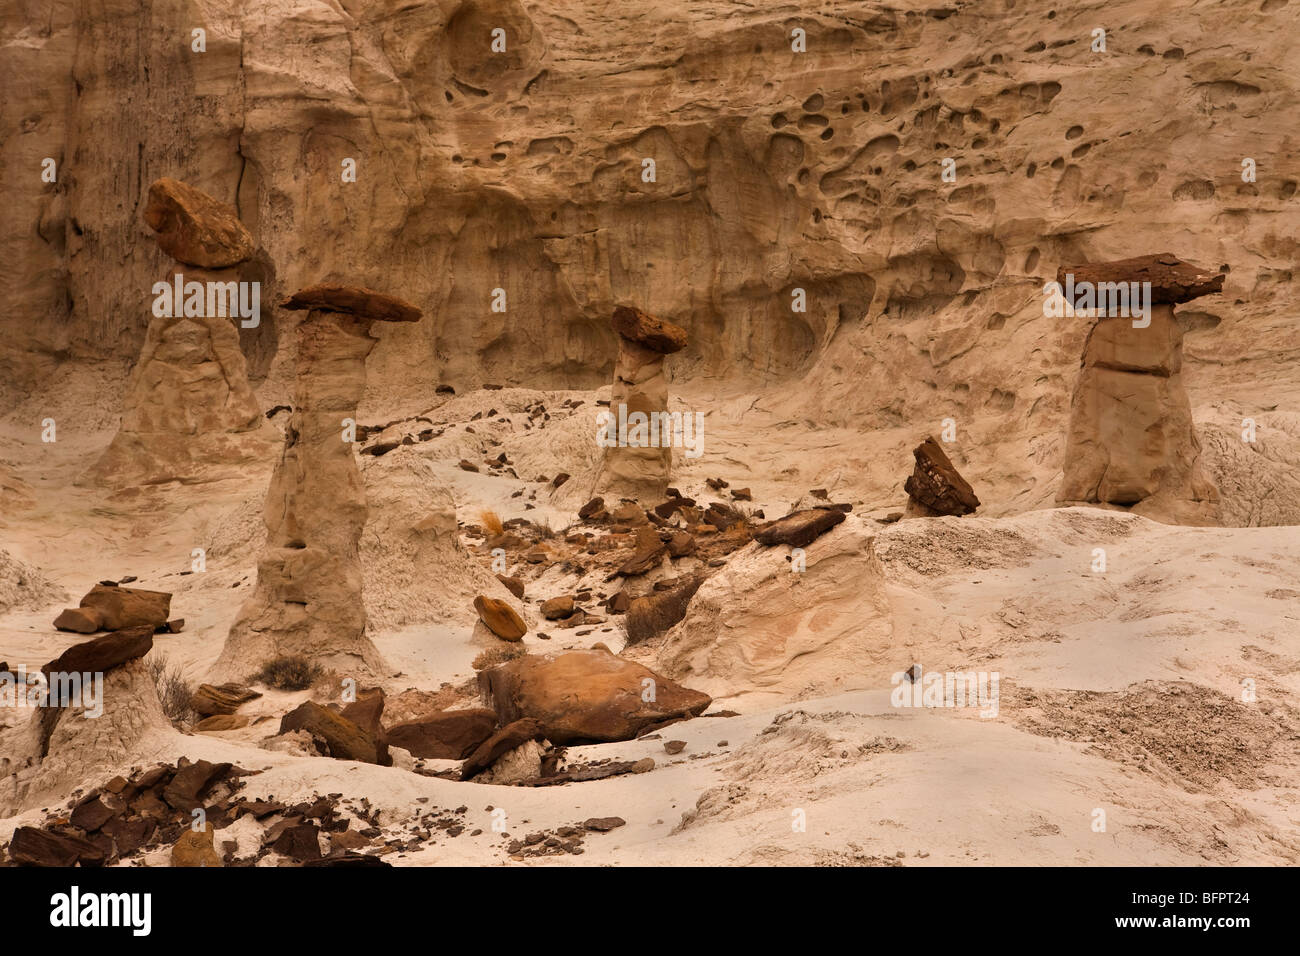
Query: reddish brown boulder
<point x="128" y="607"/>
<point x="33" y="847"/>
<point x="649" y="553"/>
<point x="935" y="486"/>
<point x="342" y="738"/>
<point x="103" y="653"/>
<point x="195" y="229"/>
<point x="448" y="735"/>
<point x="586" y="695"/>
<point x="655" y="613"/>
<point x="557" y="607"/>
<point x="500" y="618"/>
<point x="655" y="334"/>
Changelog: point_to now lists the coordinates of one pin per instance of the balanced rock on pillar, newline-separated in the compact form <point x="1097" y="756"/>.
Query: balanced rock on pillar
<point x="1131" y="441"/>
<point x="190" y="414"/>
<point x="640" y="388"/>
<point x="308" y="598"/>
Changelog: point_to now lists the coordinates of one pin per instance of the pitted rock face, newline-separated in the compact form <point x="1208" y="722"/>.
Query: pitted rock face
<point x="1172" y="280"/>
<point x="355" y="300"/>
<point x="655" y="334"/>
<point x="195" y="229"/>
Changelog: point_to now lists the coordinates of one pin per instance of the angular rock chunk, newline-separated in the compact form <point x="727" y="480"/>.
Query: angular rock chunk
<point x="655" y="613"/>
<point x="195" y="229"/>
<point x="500" y="618"/>
<point x="514" y="734"/>
<point x="448" y="735"/>
<point x="586" y="695"/>
<point x="800" y="528"/>
<point x="81" y="620"/>
<point x="557" y="607"/>
<point x="343" y="738"/>
<point x="935" y="484"/>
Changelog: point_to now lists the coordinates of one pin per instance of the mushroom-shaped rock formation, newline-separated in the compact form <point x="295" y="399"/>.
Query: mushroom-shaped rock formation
<point x="935" y="488"/>
<point x="639" y="434"/>
<point x="190" y="414"/>
<point x="1131" y="442"/>
<point x="308" y="598"/>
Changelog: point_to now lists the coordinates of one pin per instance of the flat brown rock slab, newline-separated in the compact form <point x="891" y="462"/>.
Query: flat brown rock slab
<point x="355" y="300"/>
<point x="33" y="847"/>
<point x="103" y="653"/>
<point x="212" y="699"/>
<point x="514" y="734"/>
<point x="190" y="782"/>
<point x="342" y="738"/>
<point x="644" y="329"/>
<point x="218" y="723"/>
<point x="448" y="735"/>
<point x="1172" y="280"/>
<point x="580" y="696"/>
<point x="800" y="528"/>
<point x="936" y="484"/>
<point x="582" y="773"/>
<point x="500" y="618"/>
<point x="120" y="607"/>
<point x="195" y="229"/>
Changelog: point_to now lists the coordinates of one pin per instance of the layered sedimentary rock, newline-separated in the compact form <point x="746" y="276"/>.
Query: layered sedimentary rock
<point x="1131" y="441"/>
<point x="935" y="487"/>
<point x="308" y="598"/>
<point x="189" y="408"/>
<point x="638" y="459"/>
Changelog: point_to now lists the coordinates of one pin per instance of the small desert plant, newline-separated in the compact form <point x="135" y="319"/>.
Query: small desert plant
<point x="491" y="522"/>
<point x="498" y="655"/>
<point x="173" y="692"/>
<point x="288" y="673"/>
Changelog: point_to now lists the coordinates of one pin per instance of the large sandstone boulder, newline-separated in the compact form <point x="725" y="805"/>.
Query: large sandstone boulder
<point x="585" y="696"/>
<point x="344" y="739"/>
<point x="762" y="627"/>
<point x="195" y="229"/>
<point x="1131" y="442"/>
<point x="446" y="735"/>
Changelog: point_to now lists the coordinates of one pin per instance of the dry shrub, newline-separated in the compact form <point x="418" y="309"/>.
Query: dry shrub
<point x="288" y="673"/>
<point x="491" y="522"/>
<point x="498" y="655"/>
<point x="173" y="692"/>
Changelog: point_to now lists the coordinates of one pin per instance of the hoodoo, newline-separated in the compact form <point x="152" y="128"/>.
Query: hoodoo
<point x="308" y="595"/>
<point x="1131" y="442"/>
<point x="189" y="413"/>
<point x="638" y="465"/>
